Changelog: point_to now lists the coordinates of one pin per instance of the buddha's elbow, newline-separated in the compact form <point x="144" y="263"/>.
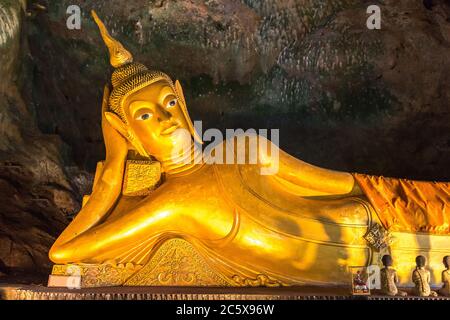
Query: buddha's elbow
<point x="59" y="255"/>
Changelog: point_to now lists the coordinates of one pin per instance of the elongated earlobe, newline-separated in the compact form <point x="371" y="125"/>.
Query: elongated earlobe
<point x="136" y="143"/>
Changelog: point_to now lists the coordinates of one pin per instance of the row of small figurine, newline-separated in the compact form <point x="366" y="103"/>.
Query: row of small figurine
<point x="420" y="277"/>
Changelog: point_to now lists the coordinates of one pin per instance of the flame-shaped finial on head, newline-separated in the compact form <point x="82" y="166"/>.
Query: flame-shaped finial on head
<point x="118" y="55"/>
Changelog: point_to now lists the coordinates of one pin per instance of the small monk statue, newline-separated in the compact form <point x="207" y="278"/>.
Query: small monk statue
<point x="445" y="290"/>
<point x="389" y="278"/>
<point x="421" y="278"/>
<point x="300" y="224"/>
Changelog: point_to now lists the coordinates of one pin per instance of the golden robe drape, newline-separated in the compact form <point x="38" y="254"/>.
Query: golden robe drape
<point x="407" y="205"/>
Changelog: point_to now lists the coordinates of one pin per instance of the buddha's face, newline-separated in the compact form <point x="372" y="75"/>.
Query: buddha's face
<point x="156" y="117"/>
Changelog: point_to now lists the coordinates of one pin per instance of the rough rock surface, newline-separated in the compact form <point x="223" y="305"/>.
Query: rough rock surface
<point x="35" y="193"/>
<point x="345" y="97"/>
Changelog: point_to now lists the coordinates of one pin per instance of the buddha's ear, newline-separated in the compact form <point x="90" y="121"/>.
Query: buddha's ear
<point x="179" y="92"/>
<point x="116" y="123"/>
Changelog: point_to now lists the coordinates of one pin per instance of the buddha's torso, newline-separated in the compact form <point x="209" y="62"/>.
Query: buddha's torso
<point x="242" y="222"/>
<point x="232" y="211"/>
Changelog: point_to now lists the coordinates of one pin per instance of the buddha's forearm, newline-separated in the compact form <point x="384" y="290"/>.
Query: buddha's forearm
<point x="114" y="234"/>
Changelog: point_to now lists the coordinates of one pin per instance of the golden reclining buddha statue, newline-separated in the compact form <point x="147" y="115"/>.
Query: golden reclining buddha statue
<point x="154" y="218"/>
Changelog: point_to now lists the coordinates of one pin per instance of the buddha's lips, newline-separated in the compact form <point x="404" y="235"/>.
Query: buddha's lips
<point x="169" y="130"/>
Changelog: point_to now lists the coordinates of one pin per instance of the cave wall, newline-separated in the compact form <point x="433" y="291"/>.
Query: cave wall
<point x="35" y="193"/>
<point x="344" y="97"/>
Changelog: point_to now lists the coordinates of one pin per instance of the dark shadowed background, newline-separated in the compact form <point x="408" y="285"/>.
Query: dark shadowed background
<point x="344" y="97"/>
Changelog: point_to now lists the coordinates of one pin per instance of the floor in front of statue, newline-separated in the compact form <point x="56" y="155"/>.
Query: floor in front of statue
<point x="38" y="292"/>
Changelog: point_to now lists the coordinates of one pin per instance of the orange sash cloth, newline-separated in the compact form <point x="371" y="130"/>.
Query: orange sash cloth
<point x="409" y="206"/>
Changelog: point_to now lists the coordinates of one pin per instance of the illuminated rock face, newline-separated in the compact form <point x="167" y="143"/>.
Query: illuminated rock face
<point x="346" y="98"/>
<point x="35" y="193"/>
<point x="329" y="79"/>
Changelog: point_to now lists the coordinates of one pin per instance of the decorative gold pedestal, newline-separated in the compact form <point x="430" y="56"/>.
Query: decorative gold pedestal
<point x="97" y="275"/>
<point x="33" y="292"/>
<point x="175" y="263"/>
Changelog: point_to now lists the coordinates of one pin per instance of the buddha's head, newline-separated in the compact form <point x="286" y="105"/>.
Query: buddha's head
<point x="145" y="106"/>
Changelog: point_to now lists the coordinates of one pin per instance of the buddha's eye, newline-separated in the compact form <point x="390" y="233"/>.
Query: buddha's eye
<point x="171" y="103"/>
<point x="145" y="116"/>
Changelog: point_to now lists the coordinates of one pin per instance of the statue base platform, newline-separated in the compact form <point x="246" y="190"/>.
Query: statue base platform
<point x="34" y="292"/>
<point x="176" y="263"/>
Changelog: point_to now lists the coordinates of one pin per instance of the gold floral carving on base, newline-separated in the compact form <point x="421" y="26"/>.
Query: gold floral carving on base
<point x="98" y="275"/>
<point x="261" y="280"/>
<point x="177" y="263"/>
<point x="141" y="177"/>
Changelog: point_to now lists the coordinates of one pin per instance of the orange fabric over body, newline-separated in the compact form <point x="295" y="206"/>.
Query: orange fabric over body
<point x="407" y="205"/>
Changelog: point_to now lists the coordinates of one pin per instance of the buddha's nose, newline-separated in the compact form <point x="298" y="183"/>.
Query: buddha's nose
<point x="163" y="114"/>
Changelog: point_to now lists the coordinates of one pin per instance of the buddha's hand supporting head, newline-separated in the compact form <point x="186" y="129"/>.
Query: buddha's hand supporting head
<point x="145" y="106"/>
